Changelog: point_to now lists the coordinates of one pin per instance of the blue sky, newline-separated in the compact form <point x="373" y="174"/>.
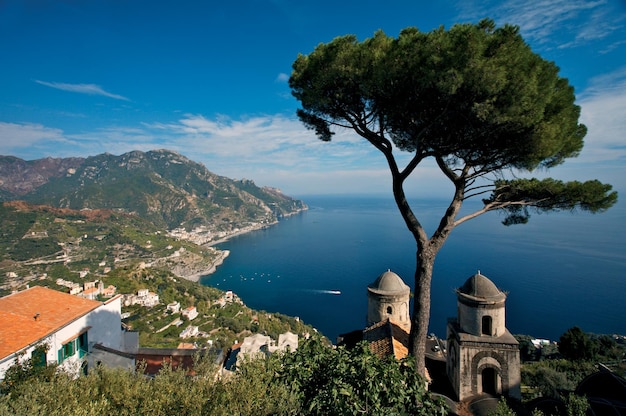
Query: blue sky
<point x="208" y="79"/>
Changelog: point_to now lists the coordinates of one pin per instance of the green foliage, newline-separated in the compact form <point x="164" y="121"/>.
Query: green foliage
<point x="549" y="195"/>
<point x="546" y="381"/>
<point x="549" y="378"/>
<point x="556" y="377"/>
<point x="474" y="93"/>
<point x="337" y="381"/>
<point x="575" y="345"/>
<point x="121" y="392"/>
<point x="315" y="380"/>
<point x="502" y="409"/>
<point x="32" y="248"/>
<point x="576" y="405"/>
<point x="27" y="370"/>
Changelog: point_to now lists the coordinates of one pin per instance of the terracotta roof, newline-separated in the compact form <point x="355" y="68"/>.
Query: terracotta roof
<point x="33" y="314"/>
<point x="386" y="338"/>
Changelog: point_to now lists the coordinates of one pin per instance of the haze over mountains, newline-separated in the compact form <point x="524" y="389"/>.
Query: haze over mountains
<point x="161" y="186"/>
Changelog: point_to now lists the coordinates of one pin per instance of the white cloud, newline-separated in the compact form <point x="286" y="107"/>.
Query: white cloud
<point x="273" y="139"/>
<point x="277" y="151"/>
<point x="90" y="89"/>
<point x="19" y="137"/>
<point x="603" y="105"/>
<point x="282" y="77"/>
<point x="570" y="22"/>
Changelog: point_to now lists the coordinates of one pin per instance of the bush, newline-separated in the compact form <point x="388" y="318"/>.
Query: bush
<point x="314" y="380"/>
<point x="337" y="381"/>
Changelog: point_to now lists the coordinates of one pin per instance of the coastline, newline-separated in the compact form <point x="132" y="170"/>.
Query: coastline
<point x="240" y="232"/>
<point x="252" y="228"/>
<point x="195" y="277"/>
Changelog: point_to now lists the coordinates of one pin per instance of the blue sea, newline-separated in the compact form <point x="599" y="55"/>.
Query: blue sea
<point x="559" y="270"/>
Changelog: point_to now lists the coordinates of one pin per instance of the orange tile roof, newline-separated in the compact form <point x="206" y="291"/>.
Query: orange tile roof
<point x="387" y="338"/>
<point x="54" y="310"/>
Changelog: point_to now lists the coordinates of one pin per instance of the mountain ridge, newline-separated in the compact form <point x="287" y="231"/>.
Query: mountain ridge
<point x="161" y="186"/>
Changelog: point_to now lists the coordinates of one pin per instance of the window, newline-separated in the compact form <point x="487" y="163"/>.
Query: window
<point x="83" y="344"/>
<point x="38" y="357"/>
<point x="389" y="310"/>
<point x="487" y="325"/>
<point x="67" y="350"/>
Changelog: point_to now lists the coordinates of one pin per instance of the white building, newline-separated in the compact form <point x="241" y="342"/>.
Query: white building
<point x="190" y="313"/>
<point x="174" y="307"/>
<point x="190" y="331"/>
<point x="67" y="327"/>
<point x="143" y="297"/>
<point x="258" y="345"/>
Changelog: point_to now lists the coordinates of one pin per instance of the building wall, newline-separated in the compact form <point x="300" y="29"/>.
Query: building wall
<point x="468" y="360"/>
<point x="471" y="318"/>
<point x="105" y="324"/>
<point x="377" y="309"/>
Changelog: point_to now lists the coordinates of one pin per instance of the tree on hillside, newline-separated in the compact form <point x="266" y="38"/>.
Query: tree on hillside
<point x="575" y="345"/>
<point x="476" y="100"/>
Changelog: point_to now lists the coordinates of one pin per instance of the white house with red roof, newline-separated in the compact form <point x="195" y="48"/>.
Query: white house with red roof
<point x="190" y="313"/>
<point x="76" y="332"/>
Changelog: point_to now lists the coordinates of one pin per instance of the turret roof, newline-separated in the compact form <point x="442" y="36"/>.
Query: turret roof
<point x="479" y="288"/>
<point x="389" y="283"/>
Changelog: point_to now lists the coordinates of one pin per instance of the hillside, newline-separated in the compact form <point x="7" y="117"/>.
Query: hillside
<point x="160" y="186"/>
<point x="39" y="242"/>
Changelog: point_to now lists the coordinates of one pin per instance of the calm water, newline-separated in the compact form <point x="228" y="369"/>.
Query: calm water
<point x="560" y="270"/>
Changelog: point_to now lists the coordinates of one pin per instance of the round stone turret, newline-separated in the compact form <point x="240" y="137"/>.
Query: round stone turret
<point x="388" y="298"/>
<point x="481" y="307"/>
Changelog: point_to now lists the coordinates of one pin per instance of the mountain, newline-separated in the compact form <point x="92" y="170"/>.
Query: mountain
<point x="19" y="177"/>
<point x="161" y="186"/>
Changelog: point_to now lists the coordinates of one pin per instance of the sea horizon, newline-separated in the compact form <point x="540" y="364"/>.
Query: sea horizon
<point x="559" y="270"/>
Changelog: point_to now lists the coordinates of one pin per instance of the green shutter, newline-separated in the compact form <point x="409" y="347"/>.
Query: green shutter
<point x="69" y="349"/>
<point x="83" y="345"/>
<point x="38" y="358"/>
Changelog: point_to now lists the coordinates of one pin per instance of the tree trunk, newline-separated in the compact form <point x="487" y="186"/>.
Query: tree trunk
<point x="421" y="307"/>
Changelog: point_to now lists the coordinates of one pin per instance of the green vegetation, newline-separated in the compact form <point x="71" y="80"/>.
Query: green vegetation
<point x="574" y="406"/>
<point x="354" y="382"/>
<point x="556" y="372"/>
<point x="37" y="241"/>
<point x="315" y="380"/>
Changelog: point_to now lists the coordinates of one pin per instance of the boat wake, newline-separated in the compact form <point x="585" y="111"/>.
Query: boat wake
<point x="327" y="292"/>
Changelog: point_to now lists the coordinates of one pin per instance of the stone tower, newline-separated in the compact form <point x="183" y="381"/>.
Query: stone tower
<point x="483" y="356"/>
<point x="388" y="298"/>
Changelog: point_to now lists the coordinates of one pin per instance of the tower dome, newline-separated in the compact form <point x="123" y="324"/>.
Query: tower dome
<point x="388" y="298"/>
<point x="388" y="283"/>
<point x="481" y="307"/>
<point x="478" y="288"/>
